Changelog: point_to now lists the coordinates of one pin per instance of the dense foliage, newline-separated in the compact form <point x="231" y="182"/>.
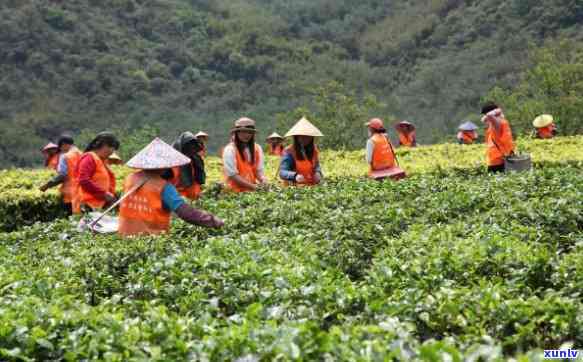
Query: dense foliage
<point x="445" y="265"/>
<point x="552" y="86"/>
<point x="178" y="65"/>
<point x="22" y="204"/>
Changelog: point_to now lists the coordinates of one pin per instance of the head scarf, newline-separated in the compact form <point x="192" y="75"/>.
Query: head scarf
<point x="186" y="177"/>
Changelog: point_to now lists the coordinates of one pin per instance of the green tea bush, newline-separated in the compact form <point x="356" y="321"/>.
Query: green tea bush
<point x="444" y="265"/>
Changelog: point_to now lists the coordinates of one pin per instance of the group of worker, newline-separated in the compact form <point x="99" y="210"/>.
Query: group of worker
<point x="544" y="128"/>
<point x="167" y="174"/>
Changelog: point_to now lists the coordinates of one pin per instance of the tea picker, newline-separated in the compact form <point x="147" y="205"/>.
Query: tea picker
<point x="500" y="148"/>
<point x="544" y="126"/>
<point x="380" y="155"/>
<point x="149" y="198"/>
<point x="300" y="163"/>
<point x="467" y="133"/>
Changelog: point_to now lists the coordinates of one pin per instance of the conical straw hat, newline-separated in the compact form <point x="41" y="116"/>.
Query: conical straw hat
<point x="49" y="146"/>
<point x="201" y="134"/>
<point x="468" y="126"/>
<point x="158" y="155"/>
<point x="274" y="135"/>
<point x="304" y="128"/>
<point x="543" y="121"/>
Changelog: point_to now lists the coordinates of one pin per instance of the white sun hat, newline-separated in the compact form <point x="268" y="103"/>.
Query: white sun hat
<point x="158" y="155"/>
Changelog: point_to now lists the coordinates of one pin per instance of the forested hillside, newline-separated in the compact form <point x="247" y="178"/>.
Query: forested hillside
<point x="78" y="65"/>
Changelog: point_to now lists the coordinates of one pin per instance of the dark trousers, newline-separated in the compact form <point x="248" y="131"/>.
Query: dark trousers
<point x="68" y="207"/>
<point x="496" y="168"/>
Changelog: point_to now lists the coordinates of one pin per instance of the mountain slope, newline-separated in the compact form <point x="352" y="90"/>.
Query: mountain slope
<point x="177" y="64"/>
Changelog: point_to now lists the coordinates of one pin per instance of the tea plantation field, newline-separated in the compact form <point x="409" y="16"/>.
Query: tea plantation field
<point x="451" y="264"/>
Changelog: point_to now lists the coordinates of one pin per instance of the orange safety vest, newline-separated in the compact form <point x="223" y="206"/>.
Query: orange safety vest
<point x="244" y="169"/>
<point x="143" y="212"/>
<point x="499" y="143"/>
<point x="53" y="162"/>
<point x="104" y="178"/>
<point x="70" y="185"/>
<point x="306" y="168"/>
<point x="546" y="132"/>
<point x="406" y="139"/>
<point x="382" y="155"/>
<point x="276" y="150"/>
<point x="467" y="137"/>
<point x="192" y="192"/>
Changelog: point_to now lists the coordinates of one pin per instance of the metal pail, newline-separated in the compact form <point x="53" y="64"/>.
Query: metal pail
<point x="518" y="163"/>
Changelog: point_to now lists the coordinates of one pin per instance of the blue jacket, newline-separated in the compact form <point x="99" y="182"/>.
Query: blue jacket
<point x="287" y="167"/>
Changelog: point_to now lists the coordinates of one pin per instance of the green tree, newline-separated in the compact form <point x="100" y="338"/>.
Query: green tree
<point x="553" y="85"/>
<point x="339" y="113"/>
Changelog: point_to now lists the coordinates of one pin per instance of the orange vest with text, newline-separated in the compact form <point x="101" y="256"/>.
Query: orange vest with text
<point x="245" y="169"/>
<point x="407" y="139"/>
<point x="104" y="178"/>
<point x="382" y="154"/>
<point x="306" y="168"/>
<point x="143" y="212"/>
<point x="499" y="143"/>
<point x="69" y="187"/>
<point x="192" y="192"/>
<point x="545" y="132"/>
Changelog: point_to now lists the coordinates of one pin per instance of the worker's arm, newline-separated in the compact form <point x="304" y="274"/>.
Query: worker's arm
<point x="369" y="151"/>
<point x="261" y="166"/>
<point x="287" y="168"/>
<point x="173" y="202"/>
<point x="318" y="172"/>
<point x="62" y="172"/>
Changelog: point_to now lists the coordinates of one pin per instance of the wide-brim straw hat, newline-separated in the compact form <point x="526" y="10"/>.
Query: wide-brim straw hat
<point x="543" y="121"/>
<point x="304" y="128"/>
<point x="468" y="126"/>
<point x="244" y="124"/>
<point x="115" y="157"/>
<point x="50" y="146"/>
<point x="274" y="136"/>
<point x="201" y="134"/>
<point x="404" y="125"/>
<point x="158" y="155"/>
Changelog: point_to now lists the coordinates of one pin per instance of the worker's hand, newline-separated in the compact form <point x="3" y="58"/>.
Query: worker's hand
<point x="44" y="187"/>
<point x="263" y="187"/>
<point x="218" y="223"/>
<point x="110" y="198"/>
<point x="300" y="178"/>
<point x="317" y="177"/>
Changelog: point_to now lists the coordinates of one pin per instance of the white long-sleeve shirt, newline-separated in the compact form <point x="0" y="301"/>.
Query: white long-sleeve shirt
<point x="230" y="161"/>
<point x="369" y="150"/>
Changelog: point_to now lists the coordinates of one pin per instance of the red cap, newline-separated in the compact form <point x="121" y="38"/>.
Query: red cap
<point x="375" y="123"/>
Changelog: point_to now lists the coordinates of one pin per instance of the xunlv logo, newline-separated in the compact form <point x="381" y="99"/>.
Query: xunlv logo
<point x="561" y="353"/>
